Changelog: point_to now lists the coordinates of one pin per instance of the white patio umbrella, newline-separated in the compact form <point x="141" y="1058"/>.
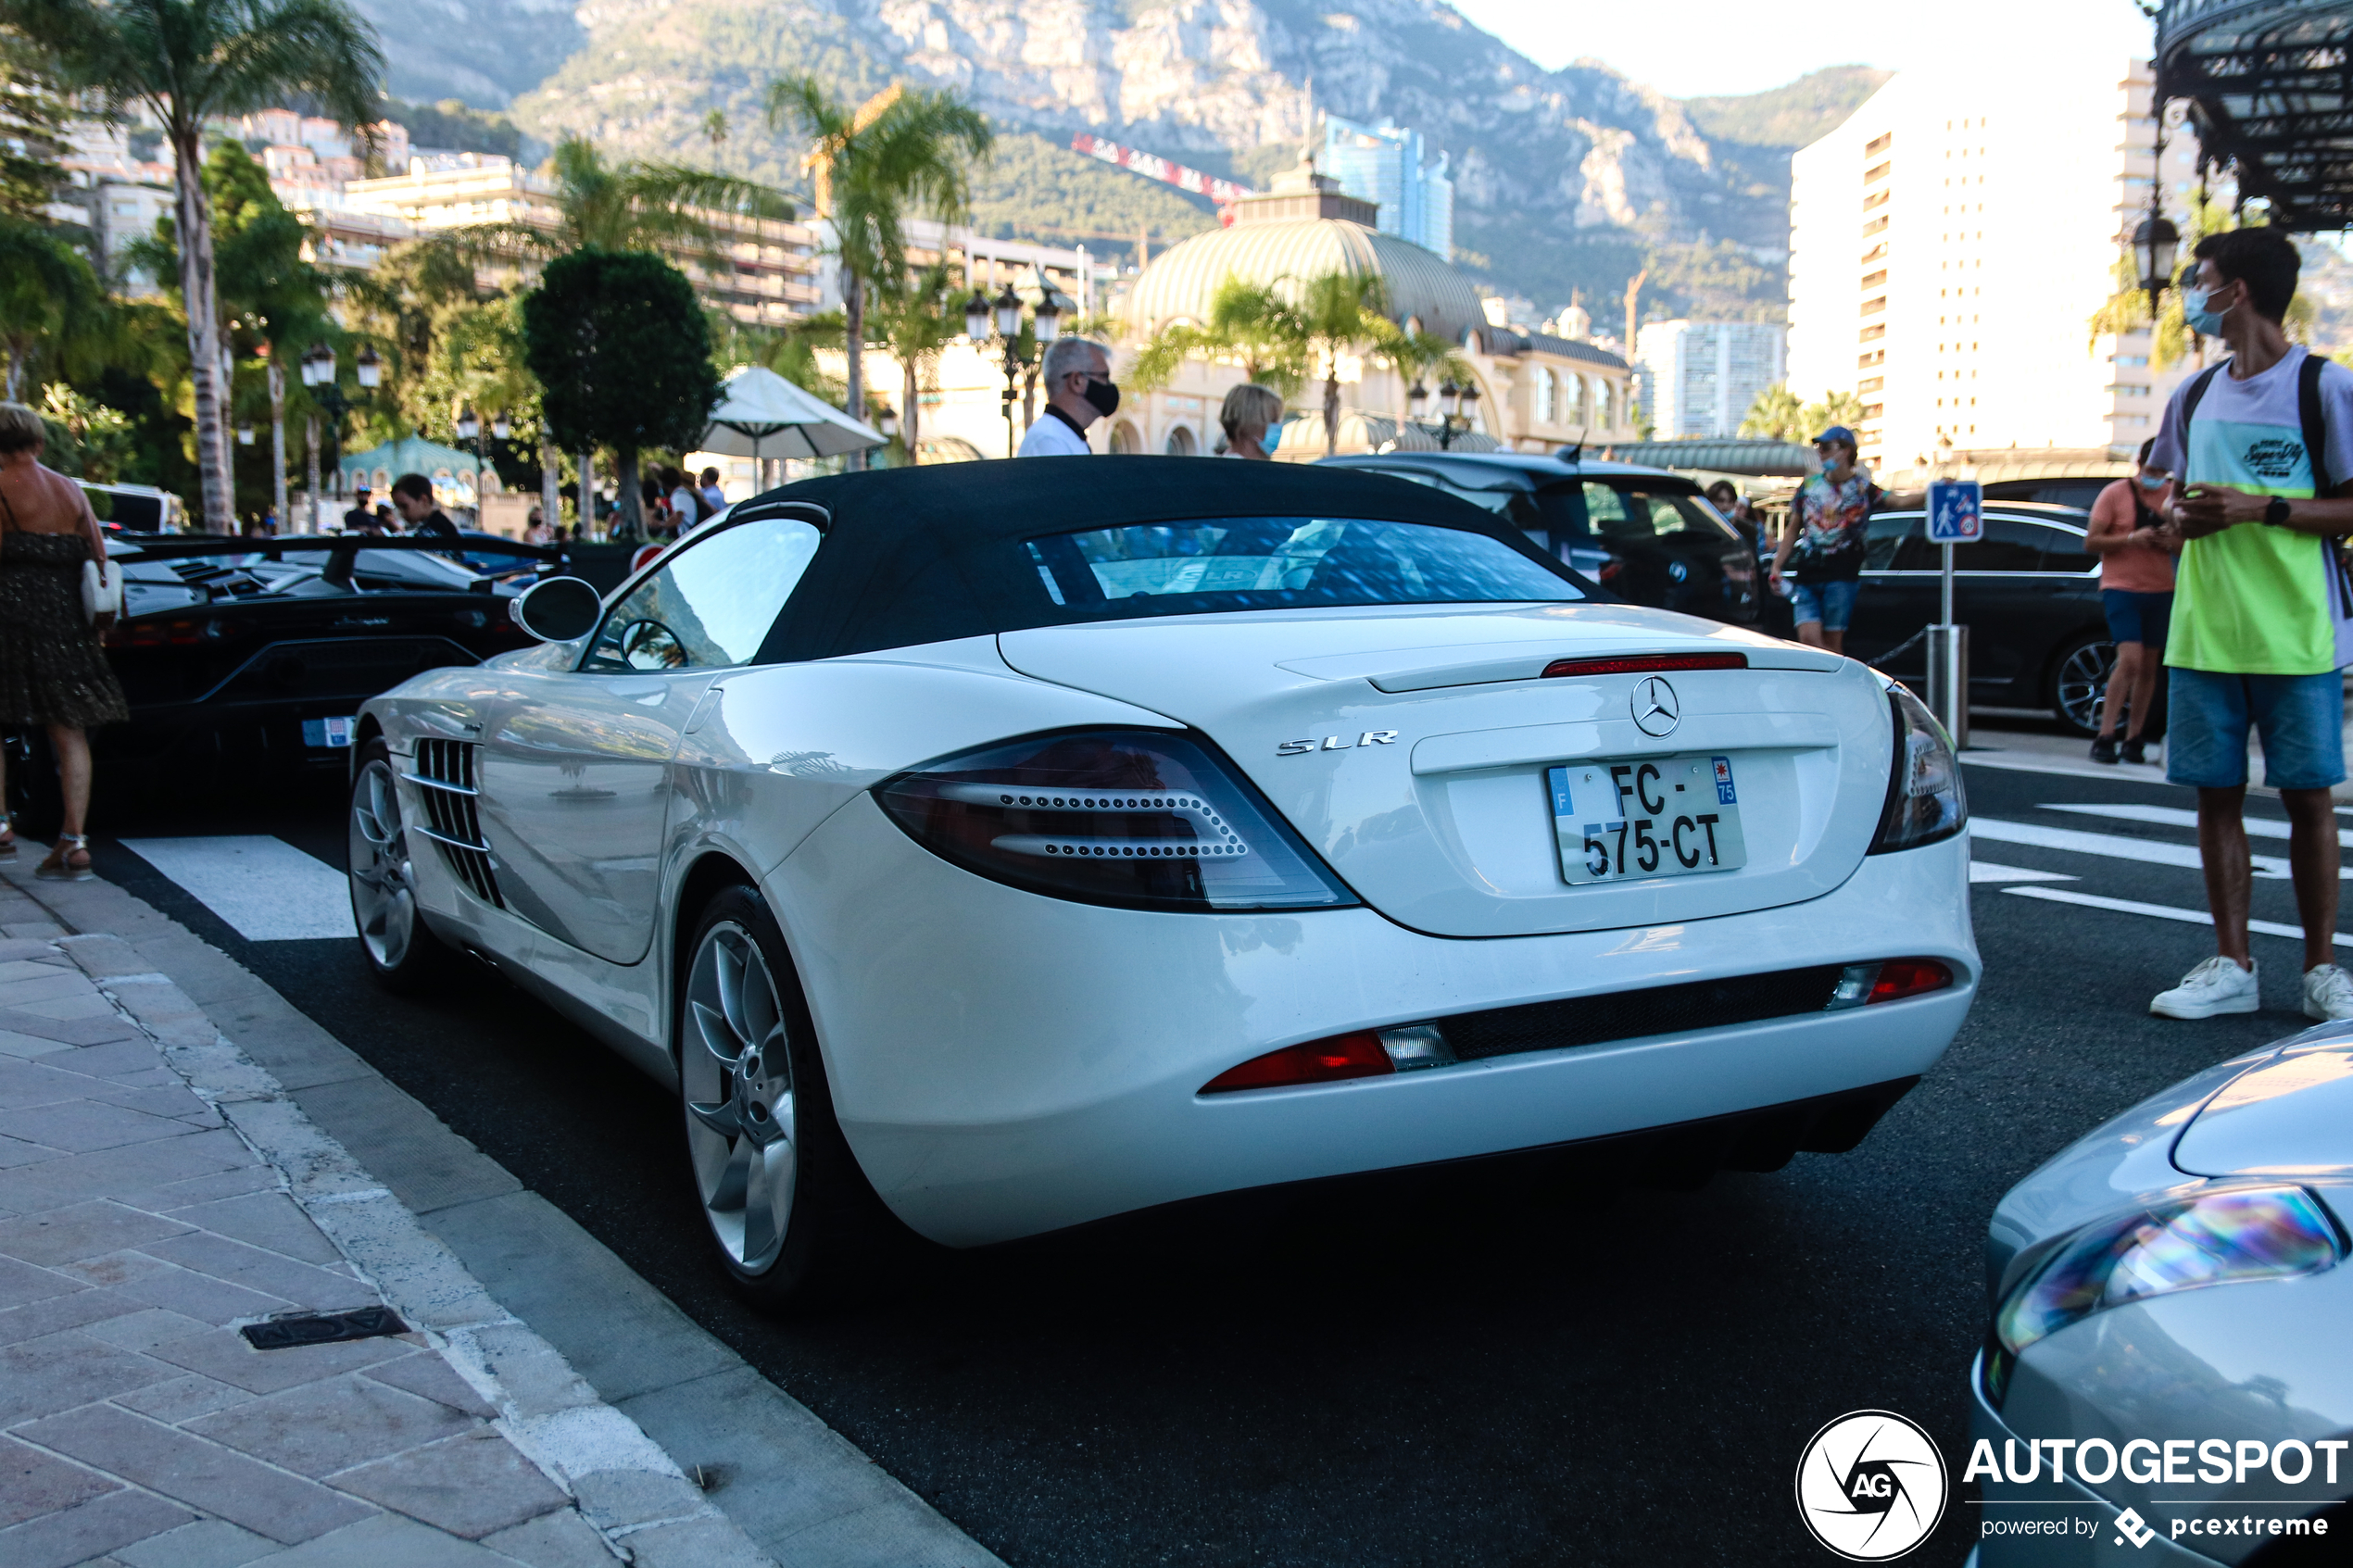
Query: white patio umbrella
<point x="763" y="415"/>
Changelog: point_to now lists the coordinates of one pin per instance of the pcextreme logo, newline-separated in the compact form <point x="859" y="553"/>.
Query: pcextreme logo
<point x="1871" y="1486"/>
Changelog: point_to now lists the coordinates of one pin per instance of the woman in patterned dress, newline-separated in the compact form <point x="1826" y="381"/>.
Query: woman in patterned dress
<point x="53" y="672"/>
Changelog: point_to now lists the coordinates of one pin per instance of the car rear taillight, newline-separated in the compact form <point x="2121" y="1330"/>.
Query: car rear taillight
<point x="1139" y="819"/>
<point x="1643" y="664"/>
<point x="1320" y="1061"/>
<point x="1891" y="980"/>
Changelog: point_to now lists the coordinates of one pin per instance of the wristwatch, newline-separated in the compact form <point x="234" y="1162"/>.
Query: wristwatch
<point x="2276" y="513"/>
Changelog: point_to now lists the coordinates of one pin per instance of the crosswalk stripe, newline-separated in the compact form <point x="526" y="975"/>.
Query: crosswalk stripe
<point x="2115" y="846"/>
<point x="2157" y="911"/>
<point x="265" y="888"/>
<point x="1994" y="870"/>
<point x="2177" y="817"/>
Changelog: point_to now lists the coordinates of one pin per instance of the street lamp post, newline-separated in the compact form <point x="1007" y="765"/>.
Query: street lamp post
<point x="1006" y="312"/>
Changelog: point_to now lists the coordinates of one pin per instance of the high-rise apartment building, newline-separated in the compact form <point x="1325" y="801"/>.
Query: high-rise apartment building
<point x="1950" y="243"/>
<point x="1699" y="378"/>
<point x="1386" y="163"/>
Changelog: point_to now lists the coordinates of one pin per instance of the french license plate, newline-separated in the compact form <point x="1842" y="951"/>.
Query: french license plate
<point x="1646" y="817"/>
<point x="326" y="732"/>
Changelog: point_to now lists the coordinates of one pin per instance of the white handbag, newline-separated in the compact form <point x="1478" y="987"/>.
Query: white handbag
<point x="101" y="589"/>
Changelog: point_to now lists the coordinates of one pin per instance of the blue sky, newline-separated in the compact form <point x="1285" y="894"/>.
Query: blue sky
<point x="1740" y="46"/>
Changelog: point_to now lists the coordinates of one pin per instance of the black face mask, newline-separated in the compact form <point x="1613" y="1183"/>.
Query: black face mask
<point x="1103" y="395"/>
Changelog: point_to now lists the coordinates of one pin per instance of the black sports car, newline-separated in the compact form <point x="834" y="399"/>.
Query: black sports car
<point x="244" y="660"/>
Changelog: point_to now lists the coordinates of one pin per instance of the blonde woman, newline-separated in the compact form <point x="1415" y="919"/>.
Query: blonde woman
<point x="1253" y="420"/>
<point x="53" y="672"/>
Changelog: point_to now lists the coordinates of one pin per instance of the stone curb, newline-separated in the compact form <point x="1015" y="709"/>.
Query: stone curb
<point x="500" y="1261"/>
<point x="626" y="1487"/>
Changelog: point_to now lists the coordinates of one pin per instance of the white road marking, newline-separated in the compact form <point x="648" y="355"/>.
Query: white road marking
<point x="1988" y="870"/>
<point x="2159" y="911"/>
<point x="2177" y="817"/>
<point x="265" y="888"/>
<point x="2028" y="763"/>
<point x="2115" y="846"/>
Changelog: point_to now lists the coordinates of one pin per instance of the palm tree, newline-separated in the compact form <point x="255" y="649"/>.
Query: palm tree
<point x="186" y="62"/>
<point x="638" y="205"/>
<point x="1341" y="311"/>
<point x="913" y="318"/>
<point x="1250" y="324"/>
<point x="1776" y="413"/>
<point x="903" y="151"/>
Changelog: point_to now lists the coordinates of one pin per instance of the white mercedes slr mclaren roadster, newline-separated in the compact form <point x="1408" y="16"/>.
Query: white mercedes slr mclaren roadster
<point x="990" y="850"/>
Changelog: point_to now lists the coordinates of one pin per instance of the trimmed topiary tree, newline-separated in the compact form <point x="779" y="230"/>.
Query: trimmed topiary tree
<point x="620" y="344"/>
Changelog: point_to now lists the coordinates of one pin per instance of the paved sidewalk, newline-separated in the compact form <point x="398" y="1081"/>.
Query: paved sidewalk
<point x="158" y="1190"/>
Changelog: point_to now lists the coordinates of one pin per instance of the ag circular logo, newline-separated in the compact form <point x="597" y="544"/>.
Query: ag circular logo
<point x="1871" y="1486"/>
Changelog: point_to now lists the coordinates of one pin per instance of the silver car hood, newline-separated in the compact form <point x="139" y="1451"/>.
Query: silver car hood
<point x="2290" y="1116"/>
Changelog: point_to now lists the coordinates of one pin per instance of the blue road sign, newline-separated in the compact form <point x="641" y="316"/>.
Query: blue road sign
<point x="1956" y="511"/>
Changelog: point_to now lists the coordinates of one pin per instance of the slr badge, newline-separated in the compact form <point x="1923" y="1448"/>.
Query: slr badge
<point x="1656" y="712"/>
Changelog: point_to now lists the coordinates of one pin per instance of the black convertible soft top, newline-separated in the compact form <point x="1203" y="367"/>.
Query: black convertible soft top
<point x="919" y="555"/>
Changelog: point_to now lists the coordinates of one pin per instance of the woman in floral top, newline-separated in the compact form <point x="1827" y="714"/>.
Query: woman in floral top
<point x="1821" y="553"/>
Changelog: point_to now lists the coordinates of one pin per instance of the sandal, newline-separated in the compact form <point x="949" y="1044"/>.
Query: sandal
<point x="59" y="866"/>
<point x="7" y="836"/>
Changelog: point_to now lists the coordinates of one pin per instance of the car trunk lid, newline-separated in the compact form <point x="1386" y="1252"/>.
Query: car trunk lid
<point x="1412" y="747"/>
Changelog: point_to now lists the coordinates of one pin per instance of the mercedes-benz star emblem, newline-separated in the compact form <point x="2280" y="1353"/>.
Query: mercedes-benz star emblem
<point x="1656" y="710"/>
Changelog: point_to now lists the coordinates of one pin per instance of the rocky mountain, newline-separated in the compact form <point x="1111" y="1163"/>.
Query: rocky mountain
<point x="1564" y="179"/>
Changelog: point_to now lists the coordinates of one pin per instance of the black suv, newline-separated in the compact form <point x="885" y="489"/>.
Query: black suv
<point x="1648" y="535"/>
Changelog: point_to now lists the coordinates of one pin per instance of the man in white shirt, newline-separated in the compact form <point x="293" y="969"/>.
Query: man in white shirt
<point x="1078" y="392"/>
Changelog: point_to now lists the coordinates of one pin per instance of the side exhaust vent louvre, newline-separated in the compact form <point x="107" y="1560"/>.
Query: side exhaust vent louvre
<point x="445" y="778"/>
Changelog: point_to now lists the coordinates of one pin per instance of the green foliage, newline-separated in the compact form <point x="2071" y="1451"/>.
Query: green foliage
<point x="34" y="115"/>
<point x="55" y="319"/>
<point x="619" y="342"/>
<point x="1791" y="117"/>
<point x="1253" y="325"/>
<point x="455" y="126"/>
<point x="476" y="360"/>
<point x="1777" y="414"/>
<point x="103" y="442"/>
<point x="790" y="350"/>
<point x="1718" y="282"/>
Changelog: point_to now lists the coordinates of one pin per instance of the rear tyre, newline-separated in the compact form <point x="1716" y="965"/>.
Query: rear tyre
<point x="402" y="952"/>
<point x="792" y="1218"/>
<point x="2079" y="680"/>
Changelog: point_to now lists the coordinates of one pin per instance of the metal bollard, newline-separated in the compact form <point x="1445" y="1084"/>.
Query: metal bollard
<point x="1948" y="680"/>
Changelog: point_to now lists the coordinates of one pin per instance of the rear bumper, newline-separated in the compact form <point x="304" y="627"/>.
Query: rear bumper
<point x="1006" y="1064"/>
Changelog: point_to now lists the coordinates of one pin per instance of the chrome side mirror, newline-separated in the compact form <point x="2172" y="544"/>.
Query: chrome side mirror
<point x="558" y="609"/>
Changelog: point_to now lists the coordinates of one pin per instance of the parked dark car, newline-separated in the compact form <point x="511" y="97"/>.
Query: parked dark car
<point x="244" y="660"/>
<point x="2028" y="591"/>
<point x="1648" y="535"/>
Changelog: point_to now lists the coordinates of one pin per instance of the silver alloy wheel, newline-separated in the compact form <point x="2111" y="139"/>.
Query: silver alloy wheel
<point x="2082" y="682"/>
<point x="384" y="899"/>
<point x="736" y="1071"/>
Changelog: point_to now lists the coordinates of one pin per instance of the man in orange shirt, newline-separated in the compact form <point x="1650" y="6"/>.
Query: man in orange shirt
<point x="2136" y="591"/>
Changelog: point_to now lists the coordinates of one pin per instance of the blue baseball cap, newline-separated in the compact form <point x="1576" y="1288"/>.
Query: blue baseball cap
<point x="1838" y="433"/>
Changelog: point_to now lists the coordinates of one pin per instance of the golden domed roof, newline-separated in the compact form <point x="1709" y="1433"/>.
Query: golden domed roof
<point x="1267" y="243"/>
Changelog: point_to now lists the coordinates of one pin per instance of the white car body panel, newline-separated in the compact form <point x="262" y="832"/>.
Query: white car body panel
<point x="1004" y="1062"/>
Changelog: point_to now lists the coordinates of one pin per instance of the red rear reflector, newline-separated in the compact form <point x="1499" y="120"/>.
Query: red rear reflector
<point x="1645" y="664"/>
<point x="1899" y="978"/>
<point x="1318" y="1061"/>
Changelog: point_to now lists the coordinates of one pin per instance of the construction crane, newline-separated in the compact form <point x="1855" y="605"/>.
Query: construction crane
<point x="1225" y="193"/>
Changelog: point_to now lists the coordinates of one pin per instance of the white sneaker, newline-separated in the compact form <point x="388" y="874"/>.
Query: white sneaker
<point x="2219" y="985"/>
<point x="2328" y="993"/>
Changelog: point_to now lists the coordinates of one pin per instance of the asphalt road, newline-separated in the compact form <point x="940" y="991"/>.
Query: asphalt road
<point x="1456" y="1373"/>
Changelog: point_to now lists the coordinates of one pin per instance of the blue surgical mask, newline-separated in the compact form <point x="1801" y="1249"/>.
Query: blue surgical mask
<point x="2154" y="480"/>
<point x="1272" y="439"/>
<point x="2194" y="311"/>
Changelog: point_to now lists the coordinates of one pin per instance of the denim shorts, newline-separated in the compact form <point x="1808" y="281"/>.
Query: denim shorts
<point x="2136" y="618"/>
<point x="1833" y="604"/>
<point x="2301" y="719"/>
